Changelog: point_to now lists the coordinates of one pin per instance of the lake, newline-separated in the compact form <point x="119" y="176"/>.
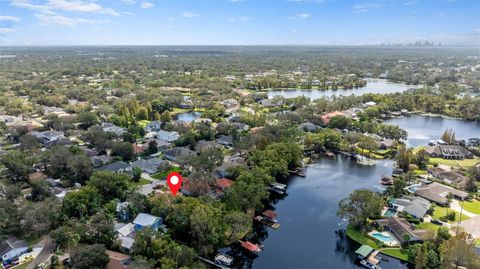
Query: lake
<point x="187" y="116"/>
<point x="373" y="86"/>
<point x="423" y="128"/>
<point x="307" y="238"/>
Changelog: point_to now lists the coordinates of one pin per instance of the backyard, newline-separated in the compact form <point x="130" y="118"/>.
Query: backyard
<point x="442" y="211"/>
<point x="472" y="206"/>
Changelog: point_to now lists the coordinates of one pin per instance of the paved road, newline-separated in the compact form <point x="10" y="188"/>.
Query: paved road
<point x="455" y="205"/>
<point x="44" y="255"/>
<point x="148" y="188"/>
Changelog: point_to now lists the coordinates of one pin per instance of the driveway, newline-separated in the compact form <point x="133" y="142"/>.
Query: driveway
<point x="149" y="188"/>
<point x="472" y="226"/>
<point x="44" y="255"/>
<point x="455" y="205"/>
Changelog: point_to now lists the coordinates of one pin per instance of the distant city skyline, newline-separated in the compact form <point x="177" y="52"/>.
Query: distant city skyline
<point x="238" y="22"/>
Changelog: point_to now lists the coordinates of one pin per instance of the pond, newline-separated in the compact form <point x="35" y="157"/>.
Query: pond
<point x="421" y="129"/>
<point x="306" y="237"/>
<point x="373" y="86"/>
<point x="187" y="116"/>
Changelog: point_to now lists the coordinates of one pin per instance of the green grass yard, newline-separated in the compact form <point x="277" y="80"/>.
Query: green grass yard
<point x="143" y="123"/>
<point x="472" y="206"/>
<point x="456" y="163"/>
<point x="428" y="226"/>
<point x="442" y="211"/>
<point x="360" y="238"/>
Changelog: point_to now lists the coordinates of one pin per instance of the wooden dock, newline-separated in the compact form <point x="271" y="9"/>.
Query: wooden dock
<point x="212" y="263"/>
<point x="268" y="223"/>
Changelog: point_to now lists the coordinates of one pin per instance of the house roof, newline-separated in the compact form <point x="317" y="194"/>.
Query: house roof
<point x="437" y="192"/>
<point x="270" y="214"/>
<point x="115" y="167"/>
<point x="364" y="250"/>
<point x="118" y="260"/>
<point x="144" y="219"/>
<point x="400" y="227"/>
<point x="11" y="243"/>
<point x="415" y="206"/>
<point x="37" y="176"/>
<point x="224" y="183"/>
<point x="126" y="229"/>
<point x="250" y="246"/>
<point x="148" y="165"/>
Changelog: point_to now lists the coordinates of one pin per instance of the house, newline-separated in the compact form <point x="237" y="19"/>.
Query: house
<point x="223" y="184"/>
<point x="149" y="166"/>
<point x="146" y="220"/>
<point x="98" y="161"/>
<point x="402" y="230"/>
<point x="269" y="103"/>
<point x="126" y="235"/>
<point x="225" y="140"/>
<point x="36" y="176"/>
<point x="415" y="206"/>
<point x="436" y="192"/>
<point x="449" y="177"/>
<point x="47" y="137"/>
<point x="112" y="128"/>
<point x="137" y="149"/>
<point x="308" y="127"/>
<point x="450" y="152"/>
<point x="189" y="187"/>
<point x="327" y="117"/>
<point x="59" y="192"/>
<point x="118" y="260"/>
<point x="230" y="162"/>
<point x="161" y="145"/>
<point x="205" y="145"/>
<point x="11" y="248"/>
<point x="118" y="167"/>
<point x="153" y="126"/>
<point x="474" y="142"/>
<point x="167" y="136"/>
<point x="230" y="103"/>
<point x="386" y="144"/>
<point x="178" y="154"/>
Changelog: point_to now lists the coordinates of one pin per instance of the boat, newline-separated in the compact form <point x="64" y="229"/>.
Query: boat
<point x="268" y="218"/>
<point x="251" y="247"/>
<point x="223" y="259"/>
<point x="386" y="181"/>
<point x="278" y="188"/>
<point x="330" y="154"/>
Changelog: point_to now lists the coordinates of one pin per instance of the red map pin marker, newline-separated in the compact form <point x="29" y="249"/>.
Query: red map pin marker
<point x="174" y="181"/>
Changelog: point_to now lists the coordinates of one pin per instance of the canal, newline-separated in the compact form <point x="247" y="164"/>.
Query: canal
<point x="381" y="86"/>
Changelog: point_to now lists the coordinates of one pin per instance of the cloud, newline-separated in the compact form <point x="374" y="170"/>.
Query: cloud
<point x="65" y="5"/>
<point x="236" y="1"/>
<point x="365" y="7"/>
<point x="8" y="23"/>
<point x="129" y="2"/>
<point x="301" y="16"/>
<point x="146" y="5"/>
<point x="57" y="19"/>
<point x="187" y="14"/>
<point x="9" y="19"/>
<point x="241" y="18"/>
<point x="410" y="2"/>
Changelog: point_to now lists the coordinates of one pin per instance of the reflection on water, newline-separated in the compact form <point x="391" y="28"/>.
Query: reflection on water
<point x="307" y="237"/>
<point x="421" y="129"/>
<point x="373" y="86"/>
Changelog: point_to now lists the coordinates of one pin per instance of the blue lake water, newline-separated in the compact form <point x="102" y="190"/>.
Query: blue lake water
<point x="373" y="86"/>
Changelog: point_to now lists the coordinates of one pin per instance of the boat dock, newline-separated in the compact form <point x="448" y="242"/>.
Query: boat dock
<point x="212" y="263"/>
<point x="265" y="221"/>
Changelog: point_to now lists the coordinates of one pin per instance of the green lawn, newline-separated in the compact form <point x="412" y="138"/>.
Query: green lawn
<point x="401" y="254"/>
<point x="162" y="175"/>
<point x="477" y="242"/>
<point x="141" y="182"/>
<point x="22" y="266"/>
<point x="365" y="240"/>
<point x="143" y="123"/>
<point x="176" y="111"/>
<point x="472" y="206"/>
<point x="428" y="226"/>
<point x="442" y="211"/>
<point x="417" y="149"/>
<point x="456" y="163"/>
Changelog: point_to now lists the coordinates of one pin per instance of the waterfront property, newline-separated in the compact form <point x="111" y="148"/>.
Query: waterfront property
<point x="449" y="152"/>
<point x="415" y="206"/>
<point x="386" y="238"/>
<point x="436" y="192"/>
<point x="401" y="230"/>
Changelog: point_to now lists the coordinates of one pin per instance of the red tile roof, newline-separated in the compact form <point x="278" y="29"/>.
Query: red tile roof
<point x="326" y="118"/>
<point x="270" y="214"/>
<point x="224" y="183"/>
<point x="250" y="246"/>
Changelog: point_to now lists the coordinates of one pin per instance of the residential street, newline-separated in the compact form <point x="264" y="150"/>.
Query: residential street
<point x="44" y="256"/>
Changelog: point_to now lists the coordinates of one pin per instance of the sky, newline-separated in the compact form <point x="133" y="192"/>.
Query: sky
<point x="238" y="22"/>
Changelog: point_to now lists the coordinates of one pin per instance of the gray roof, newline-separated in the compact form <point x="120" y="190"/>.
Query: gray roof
<point x="11" y="243"/>
<point x="437" y="193"/>
<point x="148" y="165"/>
<point x="115" y="167"/>
<point x="145" y="219"/>
<point x="415" y="206"/>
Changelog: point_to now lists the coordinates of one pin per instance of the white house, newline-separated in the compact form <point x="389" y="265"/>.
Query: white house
<point x="12" y="248"/>
<point x="167" y="136"/>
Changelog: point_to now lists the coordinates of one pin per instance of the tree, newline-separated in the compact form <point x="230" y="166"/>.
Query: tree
<point x="89" y="257"/>
<point x="87" y="119"/>
<point x="65" y="237"/>
<point x="459" y="250"/>
<point x="152" y="148"/>
<point x="29" y="143"/>
<point x="137" y="174"/>
<point x="100" y="229"/>
<point x="448" y="136"/>
<point x="39" y="218"/>
<point x="18" y="163"/>
<point x="421" y="258"/>
<point x="359" y="206"/>
<point x="124" y="150"/>
<point x="165" y="116"/>
<point x="84" y="202"/>
<point x="404" y="159"/>
<point x="110" y="185"/>
<point x="398" y="187"/>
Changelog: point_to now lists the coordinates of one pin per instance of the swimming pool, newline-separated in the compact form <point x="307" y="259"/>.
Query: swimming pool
<point x="390" y="213"/>
<point x="385" y="238"/>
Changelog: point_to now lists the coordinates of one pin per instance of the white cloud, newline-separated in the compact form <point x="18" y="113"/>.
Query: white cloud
<point x="300" y="16"/>
<point x="65" y="5"/>
<point x="10" y="19"/>
<point x="187" y="14"/>
<point x="410" y="2"/>
<point x="129" y="2"/>
<point x="365" y="7"/>
<point x="236" y="1"/>
<point x="56" y="19"/>
<point x="241" y="18"/>
<point x="308" y="1"/>
<point x="146" y="5"/>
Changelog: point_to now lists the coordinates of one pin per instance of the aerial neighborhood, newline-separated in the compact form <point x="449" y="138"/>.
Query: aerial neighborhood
<point x="85" y="154"/>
